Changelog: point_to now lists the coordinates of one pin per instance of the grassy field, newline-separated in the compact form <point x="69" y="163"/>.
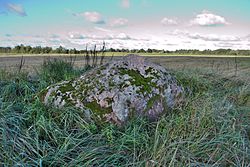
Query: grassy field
<point x="213" y="129"/>
<point x="228" y="66"/>
<point x="119" y="54"/>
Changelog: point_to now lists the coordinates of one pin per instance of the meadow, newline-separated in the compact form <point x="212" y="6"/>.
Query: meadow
<point x="212" y="129"/>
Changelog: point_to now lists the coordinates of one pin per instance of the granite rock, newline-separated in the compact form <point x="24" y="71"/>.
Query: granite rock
<point x="119" y="90"/>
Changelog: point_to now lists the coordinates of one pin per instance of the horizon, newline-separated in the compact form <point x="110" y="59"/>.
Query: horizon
<point x="126" y="24"/>
<point x="100" y="49"/>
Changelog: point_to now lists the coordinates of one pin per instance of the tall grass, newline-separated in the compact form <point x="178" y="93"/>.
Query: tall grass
<point x="211" y="130"/>
<point x="57" y="70"/>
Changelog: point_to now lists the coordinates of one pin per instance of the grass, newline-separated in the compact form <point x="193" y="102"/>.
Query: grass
<point x="212" y="129"/>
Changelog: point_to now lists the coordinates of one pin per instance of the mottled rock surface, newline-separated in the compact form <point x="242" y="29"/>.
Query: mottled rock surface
<point x="119" y="90"/>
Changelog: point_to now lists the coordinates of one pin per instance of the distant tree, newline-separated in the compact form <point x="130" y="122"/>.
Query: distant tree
<point x="112" y="50"/>
<point x="16" y="49"/>
<point x="60" y="50"/>
<point x="47" y="50"/>
<point x="28" y="49"/>
<point x="149" y="50"/>
<point x="133" y="51"/>
<point x="141" y="51"/>
<point x="124" y="50"/>
<point x="73" y="51"/>
<point x="22" y="49"/>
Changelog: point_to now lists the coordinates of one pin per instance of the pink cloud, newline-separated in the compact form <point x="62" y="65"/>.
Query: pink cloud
<point x="125" y="3"/>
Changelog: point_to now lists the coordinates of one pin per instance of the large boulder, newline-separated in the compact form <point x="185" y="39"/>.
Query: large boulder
<point x="119" y="90"/>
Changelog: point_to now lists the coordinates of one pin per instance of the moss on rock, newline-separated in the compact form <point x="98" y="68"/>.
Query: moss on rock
<point x="111" y="92"/>
<point x="97" y="109"/>
<point x="145" y="83"/>
<point x="151" y="101"/>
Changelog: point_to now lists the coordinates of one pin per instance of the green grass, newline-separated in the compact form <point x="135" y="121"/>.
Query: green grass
<point x="212" y="129"/>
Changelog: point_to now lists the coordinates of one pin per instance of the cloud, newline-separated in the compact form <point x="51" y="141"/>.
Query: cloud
<point x="228" y="45"/>
<point x="201" y="41"/>
<point x="125" y="3"/>
<point x="213" y="37"/>
<point x="8" y="35"/>
<point x="119" y="40"/>
<point x="102" y="29"/>
<point x="123" y="36"/>
<point x="119" y="22"/>
<point x="207" y="18"/>
<point x="120" y="36"/>
<point x="178" y="33"/>
<point x="177" y="39"/>
<point x="17" y="9"/>
<point x="54" y="36"/>
<point x="205" y="37"/>
<point x="123" y="40"/>
<point x="168" y="21"/>
<point x="94" y="17"/>
<point x="91" y="16"/>
<point x="247" y="37"/>
<point x="76" y="35"/>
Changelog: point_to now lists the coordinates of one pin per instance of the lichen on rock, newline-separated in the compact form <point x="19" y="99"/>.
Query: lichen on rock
<point x="118" y="89"/>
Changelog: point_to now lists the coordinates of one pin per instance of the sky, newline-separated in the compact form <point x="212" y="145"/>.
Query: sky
<point x="128" y="24"/>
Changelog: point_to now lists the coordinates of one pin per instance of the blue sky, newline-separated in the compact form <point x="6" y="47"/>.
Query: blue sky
<point x="160" y="24"/>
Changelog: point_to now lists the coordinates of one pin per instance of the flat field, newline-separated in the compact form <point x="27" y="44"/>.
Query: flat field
<point x="226" y="65"/>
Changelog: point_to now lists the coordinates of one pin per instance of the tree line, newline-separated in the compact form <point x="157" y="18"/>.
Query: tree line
<point x="21" y="49"/>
